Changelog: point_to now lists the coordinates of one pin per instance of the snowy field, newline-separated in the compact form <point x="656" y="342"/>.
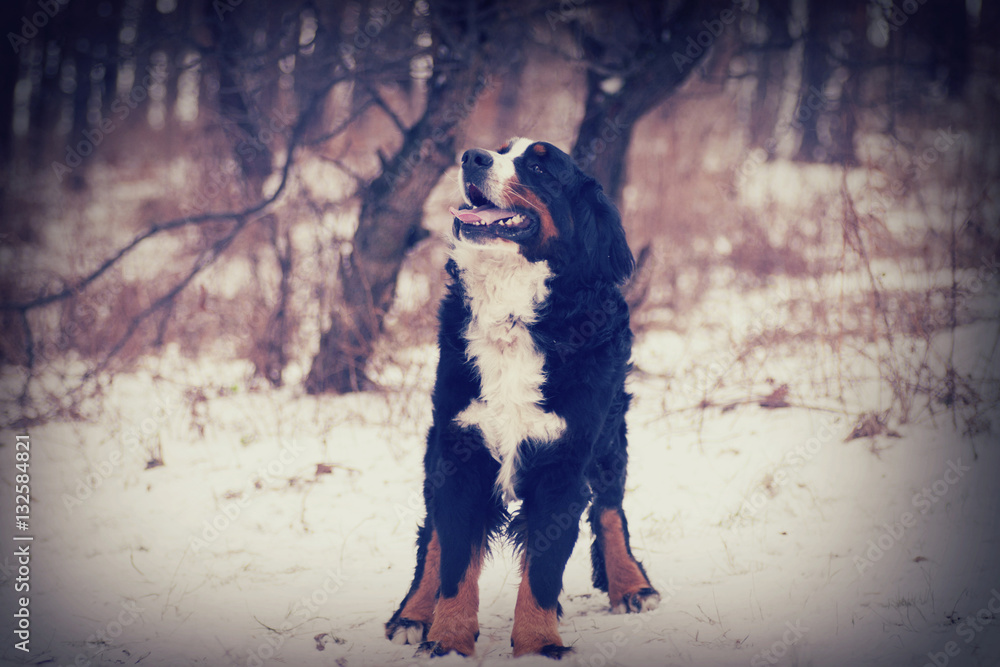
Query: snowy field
<point x="199" y="521"/>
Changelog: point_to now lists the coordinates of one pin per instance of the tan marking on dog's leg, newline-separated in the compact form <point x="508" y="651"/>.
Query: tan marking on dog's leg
<point x="534" y="627"/>
<point x="624" y="575"/>
<point x="420" y="606"/>
<point x="456" y="620"/>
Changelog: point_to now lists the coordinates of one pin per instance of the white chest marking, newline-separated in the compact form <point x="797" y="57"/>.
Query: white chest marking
<point x="504" y="291"/>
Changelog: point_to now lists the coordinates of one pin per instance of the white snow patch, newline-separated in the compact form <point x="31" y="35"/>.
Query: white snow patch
<point x="766" y="534"/>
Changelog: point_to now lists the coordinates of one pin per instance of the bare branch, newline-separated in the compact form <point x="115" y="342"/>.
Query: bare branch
<point x="29" y="352"/>
<point x="340" y="129"/>
<point x="155" y="229"/>
<point x="384" y="106"/>
<point x="205" y="259"/>
<point x="358" y="179"/>
<point x="178" y="223"/>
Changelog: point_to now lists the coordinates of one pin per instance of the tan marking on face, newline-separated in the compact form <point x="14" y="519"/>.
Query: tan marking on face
<point x="517" y="193"/>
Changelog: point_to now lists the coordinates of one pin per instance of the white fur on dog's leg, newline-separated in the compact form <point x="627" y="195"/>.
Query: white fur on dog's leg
<point x="410" y="633"/>
<point x="650" y="603"/>
<point x="415" y="634"/>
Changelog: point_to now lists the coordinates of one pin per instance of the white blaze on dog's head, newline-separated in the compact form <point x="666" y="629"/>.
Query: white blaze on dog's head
<point x="500" y="174"/>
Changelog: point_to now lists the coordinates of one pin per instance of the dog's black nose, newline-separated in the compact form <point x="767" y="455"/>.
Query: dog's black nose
<point x="476" y="157"/>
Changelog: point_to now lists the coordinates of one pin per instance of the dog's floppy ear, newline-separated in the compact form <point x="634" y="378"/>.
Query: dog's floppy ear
<point x="600" y="228"/>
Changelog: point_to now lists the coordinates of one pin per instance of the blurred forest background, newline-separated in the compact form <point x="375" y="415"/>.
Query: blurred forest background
<point x="269" y="182"/>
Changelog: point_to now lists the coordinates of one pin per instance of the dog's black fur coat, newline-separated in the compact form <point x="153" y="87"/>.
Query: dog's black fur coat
<point x="582" y="332"/>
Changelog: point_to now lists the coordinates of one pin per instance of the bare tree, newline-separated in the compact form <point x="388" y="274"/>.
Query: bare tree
<point x="228" y="48"/>
<point x="767" y="43"/>
<point x="635" y="59"/>
<point x="824" y="114"/>
<point x="391" y="205"/>
<point x="642" y="68"/>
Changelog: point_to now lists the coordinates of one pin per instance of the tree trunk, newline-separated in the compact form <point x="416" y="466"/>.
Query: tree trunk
<point x="831" y="141"/>
<point x="771" y="61"/>
<point x="815" y="71"/>
<point x="610" y="115"/>
<point x="509" y="99"/>
<point x="239" y="103"/>
<point x="950" y="41"/>
<point x="389" y="225"/>
<point x="270" y="354"/>
<point x="10" y="15"/>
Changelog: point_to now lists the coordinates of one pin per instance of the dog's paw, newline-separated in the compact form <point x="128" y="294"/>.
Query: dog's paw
<point x="644" y="599"/>
<point x="406" y="631"/>
<point x="433" y="649"/>
<point x="555" y="651"/>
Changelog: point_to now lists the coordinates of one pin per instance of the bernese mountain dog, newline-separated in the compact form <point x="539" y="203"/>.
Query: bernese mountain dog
<point x="529" y="402"/>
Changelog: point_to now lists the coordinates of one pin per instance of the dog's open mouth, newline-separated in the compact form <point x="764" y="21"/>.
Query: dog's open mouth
<point x="489" y="215"/>
<point x="485" y="218"/>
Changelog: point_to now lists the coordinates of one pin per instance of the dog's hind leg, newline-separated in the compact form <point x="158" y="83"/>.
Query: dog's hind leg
<point x="616" y="571"/>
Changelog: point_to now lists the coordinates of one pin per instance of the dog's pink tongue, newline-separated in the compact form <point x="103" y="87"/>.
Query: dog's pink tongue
<point x="486" y="214"/>
<point x="465" y="216"/>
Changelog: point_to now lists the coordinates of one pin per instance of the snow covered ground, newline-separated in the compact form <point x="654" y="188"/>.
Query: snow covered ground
<point x="199" y="521"/>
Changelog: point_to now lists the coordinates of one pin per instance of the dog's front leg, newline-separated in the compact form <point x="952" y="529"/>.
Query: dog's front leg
<point x="410" y="623"/>
<point x="465" y="511"/>
<point x="546" y="528"/>
<point x="456" y="616"/>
